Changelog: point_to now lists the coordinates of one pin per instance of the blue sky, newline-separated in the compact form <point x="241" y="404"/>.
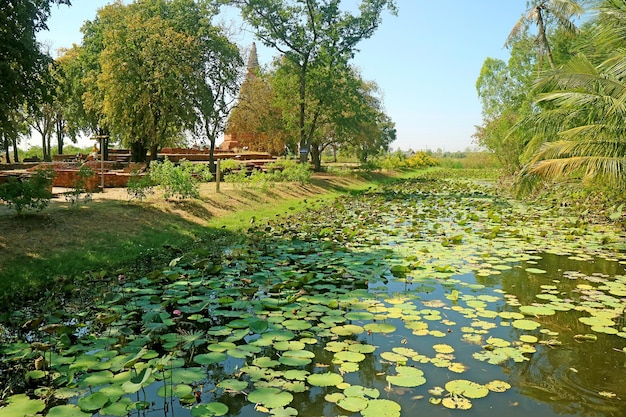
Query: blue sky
<point x="425" y="60"/>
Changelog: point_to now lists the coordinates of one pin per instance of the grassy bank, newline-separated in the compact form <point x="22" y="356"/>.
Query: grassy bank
<point x="43" y="253"/>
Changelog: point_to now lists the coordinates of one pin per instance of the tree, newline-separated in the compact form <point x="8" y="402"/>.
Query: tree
<point x="147" y="71"/>
<point x="544" y="13"/>
<point x="256" y="119"/>
<point x="216" y="82"/>
<point x="310" y="34"/>
<point x="583" y="114"/>
<point x="21" y="61"/>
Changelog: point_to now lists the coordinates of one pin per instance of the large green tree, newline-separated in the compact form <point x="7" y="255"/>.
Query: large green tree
<point x="22" y="63"/>
<point x="312" y="35"/>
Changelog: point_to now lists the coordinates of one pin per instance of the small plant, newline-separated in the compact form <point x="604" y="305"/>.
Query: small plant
<point x="289" y="171"/>
<point x="181" y="181"/>
<point x="139" y="186"/>
<point x="32" y="193"/>
<point x="80" y="193"/>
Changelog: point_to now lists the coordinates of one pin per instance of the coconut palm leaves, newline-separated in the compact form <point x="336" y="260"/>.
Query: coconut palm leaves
<point x="582" y="121"/>
<point x="542" y="13"/>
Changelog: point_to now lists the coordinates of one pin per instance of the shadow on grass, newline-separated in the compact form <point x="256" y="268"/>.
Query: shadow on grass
<point x="41" y="253"/>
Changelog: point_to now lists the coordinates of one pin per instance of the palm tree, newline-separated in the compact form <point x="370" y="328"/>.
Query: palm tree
<point x="585" y="116"/>
<point x="542" y="13"/>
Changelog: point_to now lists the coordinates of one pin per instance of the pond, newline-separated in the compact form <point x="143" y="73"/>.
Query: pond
<point x="430" y="296"/>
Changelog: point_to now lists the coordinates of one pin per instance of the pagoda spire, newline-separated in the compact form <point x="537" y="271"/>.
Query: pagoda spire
<point x="253" y="60"/>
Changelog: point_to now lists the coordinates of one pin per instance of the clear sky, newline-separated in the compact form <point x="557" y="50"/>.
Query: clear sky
<point x="425" y="60"/>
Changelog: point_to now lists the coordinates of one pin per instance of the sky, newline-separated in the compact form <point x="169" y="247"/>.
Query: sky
<point x="425" y="61"/>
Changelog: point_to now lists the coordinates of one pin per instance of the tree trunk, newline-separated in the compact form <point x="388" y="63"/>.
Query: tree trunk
<point x="6" y="150"/>
<point x="60" y="127"/>
<point x="16" y="156"/>
<point x="316" y="157"/>
<point x="138" y="152"/>
<point x="304" y="149"/>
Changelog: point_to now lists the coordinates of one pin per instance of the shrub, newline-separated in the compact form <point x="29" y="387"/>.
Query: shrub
<point x="181" y="181"/>
<point x="288" y="170"/>
<point x="33" y="193"/>
<point x="79" y="192"/>
<point x="139" y="186"/>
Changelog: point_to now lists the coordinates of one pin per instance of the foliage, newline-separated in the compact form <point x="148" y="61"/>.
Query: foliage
<point x="313" y="37"/>
<point x="23" y="66"/>
<point x="581" y="120"/>
<point x="31" y="193"/>
<point x="80" y="192"/>
<point x="180" y="181"/>
<point x="139" y="186"/>
<point x="317" y="288"/>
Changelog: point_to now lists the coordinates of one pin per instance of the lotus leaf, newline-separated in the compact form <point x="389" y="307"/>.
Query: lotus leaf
<point x="209" y="410"/>
<point x="360" y="391"/>
<point x="498" y="386"/>
<point x="210" y="358"/>
<point x="525" y="324"/>
<point x="353" y="404"/>
<point x="69" y="410"/>
<point x="380" y="327"/>
<point x="327" y="379"/>
<point x="407" y="377"/>
<point x="466" y="388"/>
<point x="270" y="397"/>
<point x="456" y="403"/>
<point x="347" y="356"/>
<point x="120" y="408"/>
<point x="382" y="408"/>
<point x="284" y="412"/>
<point x="179" y="390"/>
<point x="21" y="405"/>
<point x="93" y="402"/>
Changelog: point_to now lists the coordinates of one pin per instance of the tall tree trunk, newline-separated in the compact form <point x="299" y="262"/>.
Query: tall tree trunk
<point x="543" y="39"/>
<point x="138" y="152"/>
<point x="211" y="138"/>
<point x="316" y="157"/>
<point x="16" y="156"/>
<point x="304" y="148"/>
<point x="5" y="141"/>
<point x="60" y="128"/>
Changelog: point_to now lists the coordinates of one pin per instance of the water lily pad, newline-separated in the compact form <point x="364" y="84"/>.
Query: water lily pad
<point x="209" y="358"/>
<point x="382" y="408"/>
<point x="524" y="324"/>
<point x="466" y="388"/>
<point x="327" y="379"/>
<point x="380" y="327"/>
<point x="21" y="405"/>
<point x="270" y="397"/>
<point x="353" y="404"/>
<point x="407" y="377"/>
<point x="93" y="402"/>
<point x="69" y="410"/>
<point x="456" y="403"/>
<point x="209" y="410"/>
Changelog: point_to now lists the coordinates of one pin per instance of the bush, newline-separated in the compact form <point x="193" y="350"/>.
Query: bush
<point x="79" y="192"/>
<point x="33" y="193"/>
<point x="181" y="181"/>
<point x="139" y="186"/>
<point x="288" y="170"/>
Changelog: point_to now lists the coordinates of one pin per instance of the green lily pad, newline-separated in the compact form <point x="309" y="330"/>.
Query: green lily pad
<point x="407" y="377"/>
<point x="93" y="402"/>
<point x="69" y="410"/>
<point x="270" y="397"/>
<point x="209" y="410"/>
<point x="21" y="405"/>
<point x="382" y="408"/>
<point x="353" y="404"/>
<point x="380" y="327"/>
<point x="467" y="389"/>
<point x="327" y="379"/>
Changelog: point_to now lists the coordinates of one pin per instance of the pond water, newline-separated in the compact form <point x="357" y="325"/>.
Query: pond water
<point x="424" y="297"/>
